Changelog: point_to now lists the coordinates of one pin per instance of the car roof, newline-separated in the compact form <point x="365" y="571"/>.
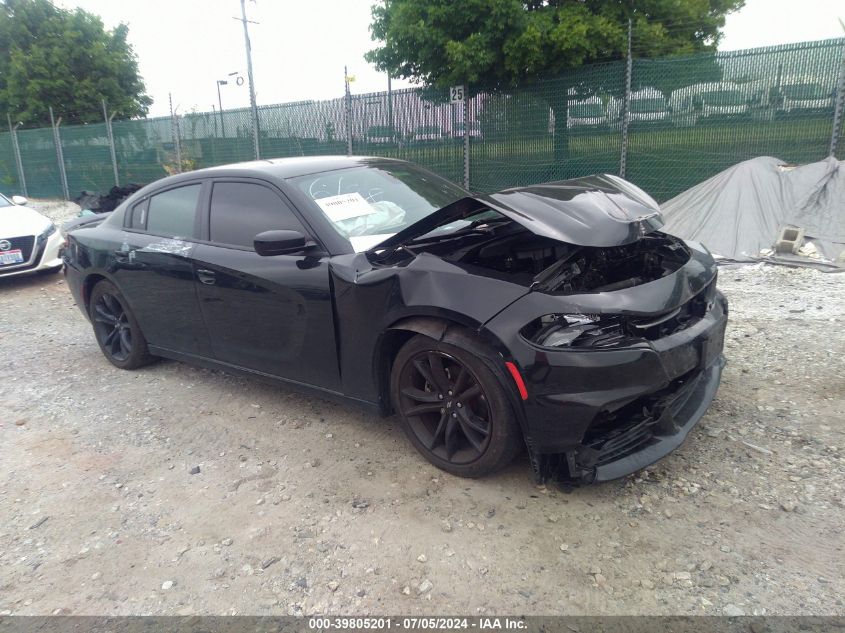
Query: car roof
<point x="289" y="167"/>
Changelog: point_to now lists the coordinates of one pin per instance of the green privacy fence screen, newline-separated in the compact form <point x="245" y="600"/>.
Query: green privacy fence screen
<point x="683" y="120"/>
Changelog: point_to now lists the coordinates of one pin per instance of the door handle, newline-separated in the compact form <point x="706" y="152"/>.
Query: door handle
<point x="207" y="277"/>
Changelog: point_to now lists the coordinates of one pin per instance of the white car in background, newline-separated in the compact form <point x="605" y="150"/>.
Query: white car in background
<point x="589" y="112"/>
<point x="803" y="94"/>
<point x="29" y="241"/>
<point x="722" y="99"/>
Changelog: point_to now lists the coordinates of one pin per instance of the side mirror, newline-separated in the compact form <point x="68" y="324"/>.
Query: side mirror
<point x="19" y="200"/>
<point x="271" y="243"/>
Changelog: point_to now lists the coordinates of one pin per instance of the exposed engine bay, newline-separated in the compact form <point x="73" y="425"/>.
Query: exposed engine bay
<point x="509" y="252"/>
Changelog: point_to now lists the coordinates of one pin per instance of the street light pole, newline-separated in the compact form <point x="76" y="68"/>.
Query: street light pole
<point x="221" y="82"/>
<point x="225" y="82"/>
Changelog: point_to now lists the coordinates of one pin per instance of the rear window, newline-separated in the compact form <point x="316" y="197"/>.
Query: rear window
<point x="138" y="219"/>
<point x="173" y="212"/>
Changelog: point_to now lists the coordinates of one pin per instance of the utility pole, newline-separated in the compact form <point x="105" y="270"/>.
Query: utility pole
<point x="174" y="130"/>
<point x="253" y="106"/>
<point x="348" y="99"/>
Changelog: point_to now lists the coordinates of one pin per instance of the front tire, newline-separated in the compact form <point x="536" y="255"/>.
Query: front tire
<point x="453" y="408"/>
<point x="118" y="333"/>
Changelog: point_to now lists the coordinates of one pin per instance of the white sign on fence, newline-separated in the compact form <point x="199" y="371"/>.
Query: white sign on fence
<point x="456" y="94"/>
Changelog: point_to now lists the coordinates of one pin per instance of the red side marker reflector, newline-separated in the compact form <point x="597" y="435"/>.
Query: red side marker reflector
<point x="520" y="383"/>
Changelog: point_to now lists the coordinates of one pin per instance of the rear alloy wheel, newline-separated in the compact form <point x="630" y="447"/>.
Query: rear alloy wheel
<point x="116" y="329"/>
<point x="453" y="409"/>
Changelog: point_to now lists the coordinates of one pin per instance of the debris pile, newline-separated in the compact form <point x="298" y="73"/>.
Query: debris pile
<point x="109" y="202"/>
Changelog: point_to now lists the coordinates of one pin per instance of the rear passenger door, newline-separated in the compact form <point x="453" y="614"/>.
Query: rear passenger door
<point x="270" y="314"/>
<point x="154" y="270"/>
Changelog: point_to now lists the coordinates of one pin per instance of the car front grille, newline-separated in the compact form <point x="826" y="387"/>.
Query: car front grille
<point x="25" y="243"/>
<point x="631" y="428"/>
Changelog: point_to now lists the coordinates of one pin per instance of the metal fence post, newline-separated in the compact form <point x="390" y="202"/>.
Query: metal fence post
<point x="626" y="110"/>
<point x="839" y="107"/>
<point x="110" y="135"/>
<point x="466" y="139"/>
<point x="17" y="149"/>
<point x="60" y="158"/>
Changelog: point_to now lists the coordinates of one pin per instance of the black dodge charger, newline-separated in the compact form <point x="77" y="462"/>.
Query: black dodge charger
<point x="555" y="317"/>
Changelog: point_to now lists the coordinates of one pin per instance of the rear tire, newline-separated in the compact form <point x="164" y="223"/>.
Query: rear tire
<point x="118" y="333"/>
<point x="453" y="408"/>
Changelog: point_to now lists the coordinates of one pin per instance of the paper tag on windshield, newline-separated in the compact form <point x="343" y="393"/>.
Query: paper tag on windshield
<point x="345" y="206"/>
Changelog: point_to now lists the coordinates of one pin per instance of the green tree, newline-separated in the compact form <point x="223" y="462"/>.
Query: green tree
<point x="501" y="44"/>
<point x="65" y="59"/>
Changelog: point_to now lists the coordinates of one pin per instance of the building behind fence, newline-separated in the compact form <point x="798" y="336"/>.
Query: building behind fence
<point x="666" y="124"/>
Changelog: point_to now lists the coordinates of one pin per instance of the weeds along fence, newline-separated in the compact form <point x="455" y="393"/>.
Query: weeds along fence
<point x="665" y="124"/>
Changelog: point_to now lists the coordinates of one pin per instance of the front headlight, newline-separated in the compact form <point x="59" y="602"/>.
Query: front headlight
<point x="575" y="330"/>
<point x="47" y="232"/>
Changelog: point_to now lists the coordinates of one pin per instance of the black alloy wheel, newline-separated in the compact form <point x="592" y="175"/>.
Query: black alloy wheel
<point x="112" y="326"/>
<point x="446" y="407"/>
<point x="116" y="329"/>
<point x="453" y="408"/>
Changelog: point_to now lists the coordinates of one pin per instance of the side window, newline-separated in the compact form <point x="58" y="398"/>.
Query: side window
<point x="241" y="210"/>
<point x="138" y="219"/>
<point x="173" y="212"/>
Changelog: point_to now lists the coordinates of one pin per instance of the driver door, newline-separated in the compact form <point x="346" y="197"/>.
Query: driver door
<point x="268" y="314"/>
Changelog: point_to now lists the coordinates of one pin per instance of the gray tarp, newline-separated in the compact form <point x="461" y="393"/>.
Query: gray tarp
<point x="739" y="212"/>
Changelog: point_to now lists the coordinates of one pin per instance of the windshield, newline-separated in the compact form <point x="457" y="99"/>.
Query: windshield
<point x="368" y="204"/>
<point x="586" y="110"/>
<point x="4" y="201"/>
<point x="380" y="130"/>
<point x="804" y="91"/>
<point x="648" y="104"/>
<point x="723" y="98"/>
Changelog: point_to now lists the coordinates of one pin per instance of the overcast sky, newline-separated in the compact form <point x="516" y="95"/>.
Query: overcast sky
<point x="300" y="48"/>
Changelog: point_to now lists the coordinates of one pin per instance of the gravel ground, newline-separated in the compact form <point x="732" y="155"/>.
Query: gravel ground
<point x="306" y="507"/>
<point x="58" y="211"/>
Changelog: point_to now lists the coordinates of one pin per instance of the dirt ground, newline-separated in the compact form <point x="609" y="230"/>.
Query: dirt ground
<point x="305" y="507"/>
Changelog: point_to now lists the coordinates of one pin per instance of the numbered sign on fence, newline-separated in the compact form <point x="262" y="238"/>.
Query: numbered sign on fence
<point x="456" y="94"/>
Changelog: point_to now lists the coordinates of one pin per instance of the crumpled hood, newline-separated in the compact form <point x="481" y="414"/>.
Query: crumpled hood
<point x="17" y="221"/>
<point x="600" y="211"/>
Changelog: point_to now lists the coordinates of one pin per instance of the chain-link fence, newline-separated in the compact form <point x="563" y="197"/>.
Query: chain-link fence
<point x="666" y="124"/>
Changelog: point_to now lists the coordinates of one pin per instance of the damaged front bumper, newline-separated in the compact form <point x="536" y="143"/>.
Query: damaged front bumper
<point x="647" y="436"/>
<point x="596" y="415"/>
